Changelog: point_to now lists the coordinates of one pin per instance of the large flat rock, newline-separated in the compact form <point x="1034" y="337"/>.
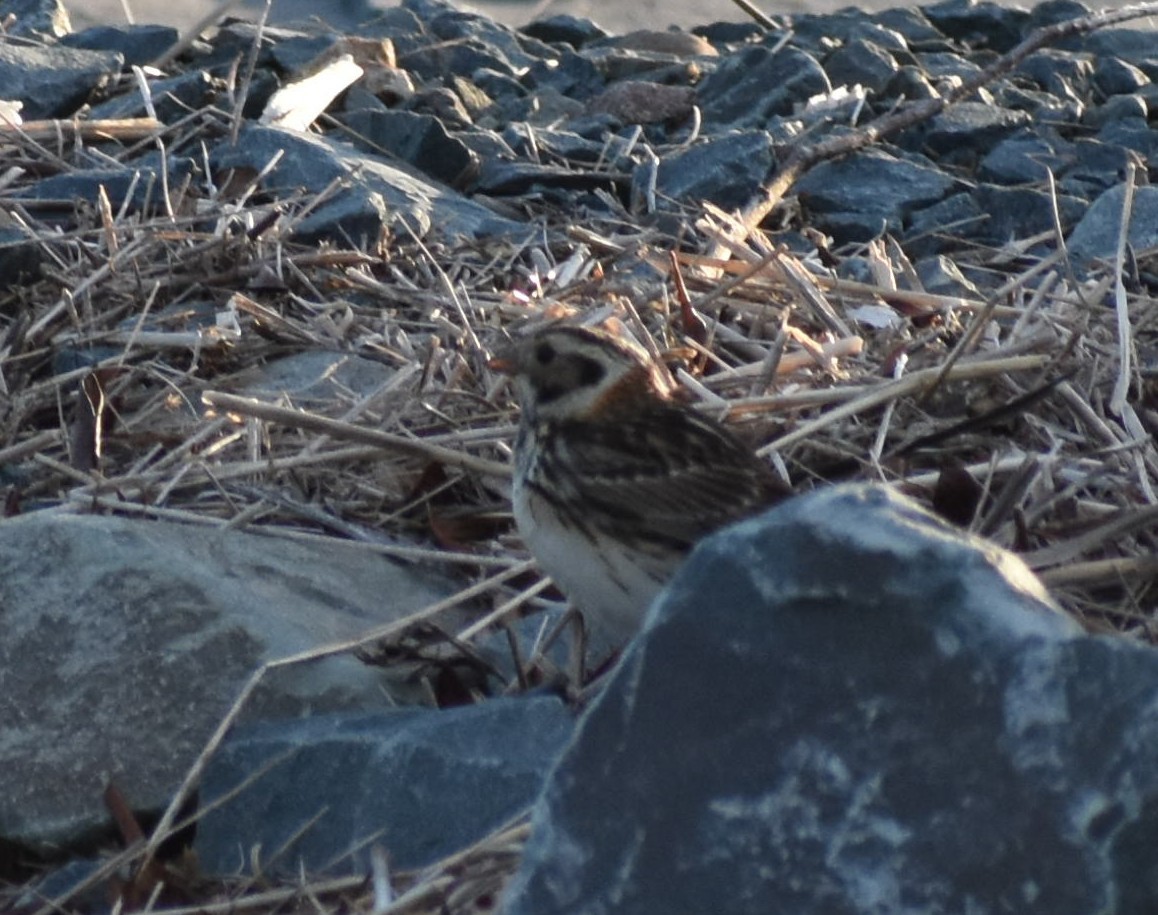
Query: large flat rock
<point x="126" y="641"/>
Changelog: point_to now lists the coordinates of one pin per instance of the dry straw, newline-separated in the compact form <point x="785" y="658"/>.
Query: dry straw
<point x="1042" y="395"/>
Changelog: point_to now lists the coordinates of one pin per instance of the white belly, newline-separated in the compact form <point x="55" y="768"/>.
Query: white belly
<point x="613" y="587"/>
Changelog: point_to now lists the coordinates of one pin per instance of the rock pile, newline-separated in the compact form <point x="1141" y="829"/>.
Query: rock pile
<point x="184" y="275"/>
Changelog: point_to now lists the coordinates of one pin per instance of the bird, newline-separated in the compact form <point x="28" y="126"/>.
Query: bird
<point x="615" y="479"/>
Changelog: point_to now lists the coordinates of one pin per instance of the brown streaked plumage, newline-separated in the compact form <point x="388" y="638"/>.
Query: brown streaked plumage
<point x="614" y="480"/>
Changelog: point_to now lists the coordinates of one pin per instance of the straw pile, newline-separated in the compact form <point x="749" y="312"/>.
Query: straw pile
<point x="1027" y="416"/>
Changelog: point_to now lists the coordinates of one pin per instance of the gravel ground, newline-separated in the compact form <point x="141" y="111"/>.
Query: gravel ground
<point x="614" y="15"/>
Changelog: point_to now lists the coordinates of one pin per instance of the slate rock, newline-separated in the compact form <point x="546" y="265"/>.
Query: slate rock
<point x="729" y="170"/>
<point x="749" y="87"/>
<point x="1057" y="72"/>
<point x="137" y="44"/>
<point x="500" y="178"/>
<point x="911" y="83"/>
<point x="35" y="18"/>
<point x="946" y="66"/>
<point x="422" y="784"/>
<point x="640" y="102"/>
<point x="1132" y="45"/>
<point x="21" y="257"/>
<point x="1094" y="167"/>
<point x="1096" y="236"/>
<point x="1019" y="212"/>
<point x="564" y="28"/>
<point x="464" y="57"/>
<point x="126" y="641"/>
<point x="138" y="185"/>
<point x="861" y="62"/>
<point x="882" y="715"/>
<point x="53" y="81"/>
<point x="729" y="33"/>
<point x="931" y="228"/>
<point x="1132" y="133"/>
<point x="1117" y="77"/>
<point x="861" y="195"/>
<point x="879" y="35"/>
<point x="913" y="25"/>
<point x="173" y="98"/>
<point x="454" y="24"/>
<point x="570" y="74"/>
<point x="397" y="23"/>
<point x="313" y="379"/>
<point x="377" y="196"/>
<point x="418" y="139"/>
<point x="610" y="149"/>
<point x="978" y="24"/>
<point x="1116" y="108"/>
<point x="1025" y="158"/>
<point x="293" y="54"/>
<point x="940" y="276"/>
<point x="1051" y="12"/>
<point x="540" y="108"/>
<point x="969" y="128"/>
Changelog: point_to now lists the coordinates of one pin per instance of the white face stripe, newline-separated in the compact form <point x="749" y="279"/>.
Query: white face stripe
<point x="556" y="390"/>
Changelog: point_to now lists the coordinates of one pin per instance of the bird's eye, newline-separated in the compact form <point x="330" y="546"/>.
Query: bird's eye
<point x="544" y="354"/>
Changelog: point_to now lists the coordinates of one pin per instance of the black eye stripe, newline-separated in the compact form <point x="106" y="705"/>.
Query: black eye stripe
<point x="551" y="391"/>
<point x="544" y="353"/>
<point x="590" y="372"/>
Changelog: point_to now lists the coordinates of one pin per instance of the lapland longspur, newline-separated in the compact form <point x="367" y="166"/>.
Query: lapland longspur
<point x="615" y="481"/>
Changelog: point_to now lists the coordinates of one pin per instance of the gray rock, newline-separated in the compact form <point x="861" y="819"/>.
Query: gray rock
<point x="978" y="23"/>
<point x="1018" y="212"/>
<point x="449" y="23"/>
<point x="1056" y="71"/>
<point x="946" y="66"/>
<point x="53" y="81"/>
<point x="313" y="379"/>
<point x="912" y="25"/>
<point x="21" y="256"/>
<point x="499" y="178"/>
<point x="1117" y="108"/>
<point x="858" y="197"/>
<point x="295" y="53"/>
<point x="970" y="128"/>
<point x="138" y="44"/>
<point x="941" y="276"/>
<point x="728" y="170"/>
<point x="861" y="62"/>
<point x="377" y="196"/>
<point x="35" y="18"/>
<point x="1050" y="12"/>
<point x="1117" y="77"/>
<point x="932" y="227"/>
<point x="173" y="98"/>
<point x="1096" y="236"/>
<point x="881" y="715"/>
<point x="463" y="56"/>
<point x="564" y="28"/>
<point x="138" y="185"/>
<point x="1095" y="166"/>
<point x="755" y="84"/>
<point x="725" y="34"/>
<point x="420" y="140"/>
<point x="911" y="83"/>
<point x="1023" y="159"/>
<point x="1133" y="133"/>
<point x="126" y="641"/>
<point x="422" y="784"/>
